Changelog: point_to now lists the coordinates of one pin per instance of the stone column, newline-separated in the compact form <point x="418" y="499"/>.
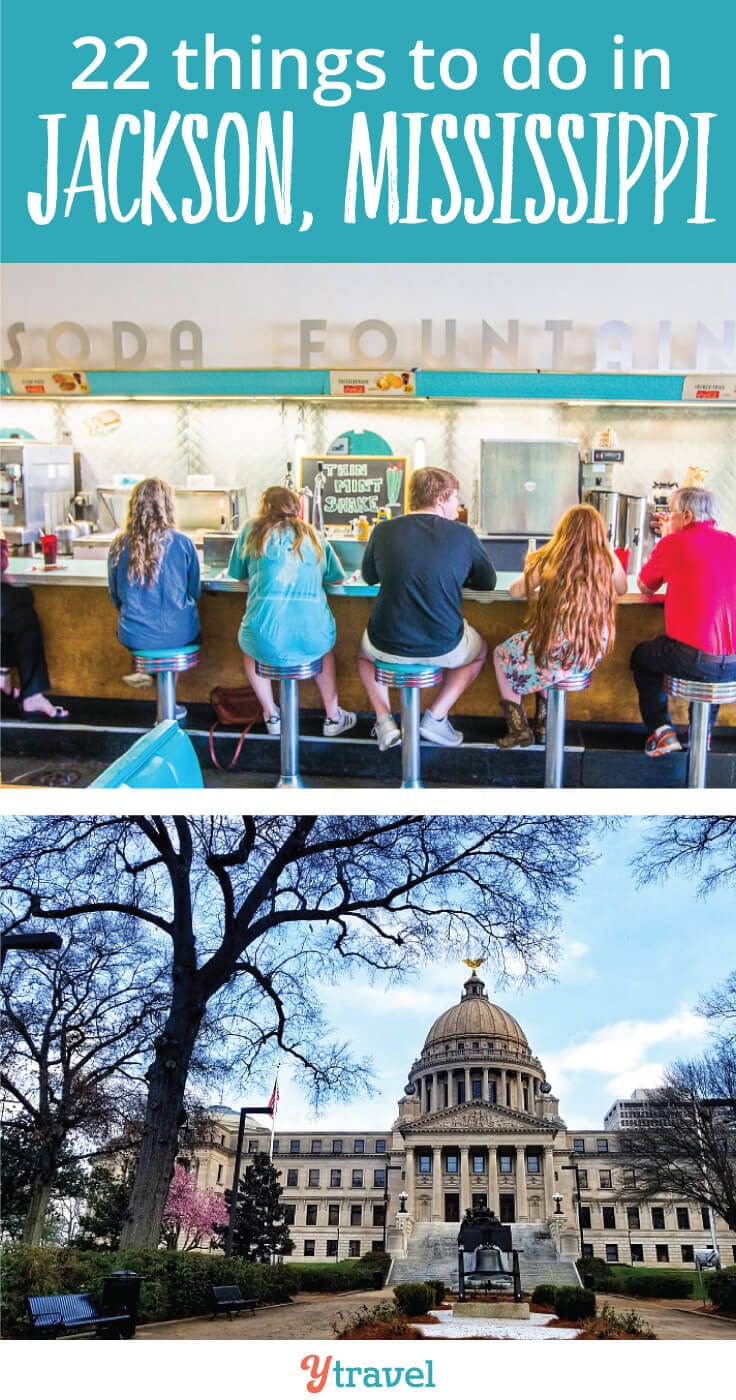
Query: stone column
<point x="409" y="1182"/>
<point x="484" y="1090"/>
<point x="522" y="1205"/>
<point x="503" y="1087"/>
<point x="464" y="1180"/>
<point x="467" y="1086"/>
<point x="437" y="1211"/>
<point x="435" y="1092"/>
<point x="493" y="1201"/>
<point x="519" y="1091"/>
<point x="549" y="1181"/>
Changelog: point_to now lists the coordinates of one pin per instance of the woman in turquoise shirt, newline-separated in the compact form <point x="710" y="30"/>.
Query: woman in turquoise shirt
<point x="287" y="621"/>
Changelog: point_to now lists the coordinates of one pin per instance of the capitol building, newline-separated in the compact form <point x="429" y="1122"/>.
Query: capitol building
<point x="478" y="1125"/>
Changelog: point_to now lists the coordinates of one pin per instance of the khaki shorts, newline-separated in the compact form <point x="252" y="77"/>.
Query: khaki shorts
<point x="468" y="649"/>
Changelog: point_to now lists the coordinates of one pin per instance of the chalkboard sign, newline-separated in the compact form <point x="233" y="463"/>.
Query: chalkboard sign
<point x="357" y="486"/>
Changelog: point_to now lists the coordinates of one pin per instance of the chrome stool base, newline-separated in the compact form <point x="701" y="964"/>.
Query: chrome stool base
<point x="554" y="744"/>
<point x="409" y="679"/>
<point x="289" y="678"/>
<point x="165" y="664"/>
<point x="701" y="695"/>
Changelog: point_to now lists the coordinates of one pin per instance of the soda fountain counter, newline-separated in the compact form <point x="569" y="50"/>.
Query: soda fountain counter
<point x="85" y="658"/>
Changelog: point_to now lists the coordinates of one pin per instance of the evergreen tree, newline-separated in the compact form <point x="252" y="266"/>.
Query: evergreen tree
<point x="260" y="1226"/>
<point x="108" y="1194"/>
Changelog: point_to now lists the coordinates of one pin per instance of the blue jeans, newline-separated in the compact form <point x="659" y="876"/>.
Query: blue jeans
<point x="652" y="661"/>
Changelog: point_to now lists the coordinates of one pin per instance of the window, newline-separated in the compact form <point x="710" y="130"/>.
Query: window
<point x="316" y="1144"/>
<point x="311" y="1214"/>
<point x="629" y="1176"/>
<point x="292" y="1177"/>
<point x="461" y="1045"/>
<point x="379" y="1176"/>
<point x="604" y="1178"/>
<point x="252" y="1144"/>
<point x="704" y="1216"/>
<point x="309" y="1249"/>
<point x="354" y="1249"/>
<point x="478" y="1163"/>
<point x="379" y="1215"/>
<point x="377" y="1247"/>
<point x="337" y="1146"/>
<point x="220" y="1170"/>
<point x="313" y="1176"/>
<point x="583" y="1177"/>
<point x="688" y="1253"/>
<point x="356" y="1215"/>
<point x="632" y="1218"/>
<point x="452" y="1164"/>
<point x="601" y="1144"/>
<point x="380" y="1144"/>
<point x="425" y="1163"/>
<point x="276" y="1145"/>
<point x="359" y="1145"/>
<point x="335" y="1177"/>
<point x="504" y="1163"/>
<point x="637" y="1254"/>
<point x="476" y="1088"/>
<point x="333" y="1213"/>
<point x="295" y="1145"/>
<point x="584" y="1217"/>
<point x="533" y="1164"/>
<point x="657" y="1217"/>
<point x="663" y="1254"/>
<point x="289" y="1215"/>
<point x="222" y="1139"/>
<point x="332" y="1249"/>
<point x="587" y="1251"/>
<point x="609" y="1218"/>
<point x="612" y="1253"/>
<point x="357" y="1177"/>
<point x="683" y="1218"/>
<point x="578" y="1144"/>
<point x="492" y="1091"/>
<point x="461" y="1091"/>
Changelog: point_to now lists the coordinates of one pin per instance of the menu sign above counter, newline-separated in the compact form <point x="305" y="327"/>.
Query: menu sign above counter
<point x="356" y="486"/>
<point x="373" y="382"/>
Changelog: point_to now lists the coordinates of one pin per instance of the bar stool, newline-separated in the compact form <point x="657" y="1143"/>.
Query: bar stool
<point x="409" y="678"/>
<point x="164" y="663"/>
<point x="701" y="695"/>
<point x="554" y="743"/>
<point x="289" y="678"/>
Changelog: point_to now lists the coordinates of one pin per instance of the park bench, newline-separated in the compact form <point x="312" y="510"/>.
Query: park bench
<point x="71" y="1312"/>
<point x="227" y="1297"/>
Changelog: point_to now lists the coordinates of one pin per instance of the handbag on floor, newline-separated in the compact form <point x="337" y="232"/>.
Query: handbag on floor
<point x="234" y="706"/>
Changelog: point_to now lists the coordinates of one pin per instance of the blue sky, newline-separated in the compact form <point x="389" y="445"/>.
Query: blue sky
<point x="634" y="963"/>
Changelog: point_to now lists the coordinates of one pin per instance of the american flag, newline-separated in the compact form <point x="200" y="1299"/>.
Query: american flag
<point x="272" y="1102"/>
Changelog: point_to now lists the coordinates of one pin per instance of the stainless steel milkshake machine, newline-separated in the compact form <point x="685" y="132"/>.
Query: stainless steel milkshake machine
<point x="36" y="489"/>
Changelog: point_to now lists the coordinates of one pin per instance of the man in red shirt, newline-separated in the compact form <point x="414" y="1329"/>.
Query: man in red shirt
<point x="697" y="561"/>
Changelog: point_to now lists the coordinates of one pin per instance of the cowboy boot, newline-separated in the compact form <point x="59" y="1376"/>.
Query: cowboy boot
<point x="539" y="723"/>
<point x="519" y="734"/>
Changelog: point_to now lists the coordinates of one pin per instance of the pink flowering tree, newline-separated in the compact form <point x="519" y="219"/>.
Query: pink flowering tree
<point x="190" y="1216"/>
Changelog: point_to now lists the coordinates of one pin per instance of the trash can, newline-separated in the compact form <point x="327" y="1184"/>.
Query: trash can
<point x="121" y="1293"/>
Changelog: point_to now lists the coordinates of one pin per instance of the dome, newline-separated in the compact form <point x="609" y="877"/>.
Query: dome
<point x="475" y="1017"/>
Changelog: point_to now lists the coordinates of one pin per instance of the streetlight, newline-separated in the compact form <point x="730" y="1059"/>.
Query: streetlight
<point x="575" y="1168"/>
<point x="395" y="1167"/>
<point x="557" y="1198"/>
<point x="236" y="1174"/>
<point x="34" y="939"/>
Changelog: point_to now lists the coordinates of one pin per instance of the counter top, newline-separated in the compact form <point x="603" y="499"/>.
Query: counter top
<point x="92" y="573"/>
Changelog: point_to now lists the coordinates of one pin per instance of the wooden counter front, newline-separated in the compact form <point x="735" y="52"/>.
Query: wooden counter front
<point x="85" y="659"/>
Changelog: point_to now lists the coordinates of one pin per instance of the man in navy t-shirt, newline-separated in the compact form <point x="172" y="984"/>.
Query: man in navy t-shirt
<point x="423" y="561"/>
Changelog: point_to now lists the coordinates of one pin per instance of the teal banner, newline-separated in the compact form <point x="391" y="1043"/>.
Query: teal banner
<point x="238" y="132"/>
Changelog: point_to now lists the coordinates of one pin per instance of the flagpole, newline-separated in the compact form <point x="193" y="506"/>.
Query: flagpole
<point x="274" y="1101"/>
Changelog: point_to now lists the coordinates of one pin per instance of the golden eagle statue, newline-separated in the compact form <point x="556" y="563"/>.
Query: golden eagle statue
<point x="473" y="963"/>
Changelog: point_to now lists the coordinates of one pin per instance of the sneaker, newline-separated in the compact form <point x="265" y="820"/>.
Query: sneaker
<point x="439" y="731"/>
<point x="387" y="732"/>
<point x="138" y="680"/>
<point x="180" y="713"/>
<point x="663" y="740"/>
<point x="273" y="724"/>
<point x="332" y="727"/>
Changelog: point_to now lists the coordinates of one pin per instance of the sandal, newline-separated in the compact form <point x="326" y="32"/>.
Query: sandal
<point x="37" y="715"/>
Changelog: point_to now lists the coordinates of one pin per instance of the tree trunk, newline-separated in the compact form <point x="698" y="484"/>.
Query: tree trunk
<point x="39" y="1204"/>
<point x="167" y="1082"/>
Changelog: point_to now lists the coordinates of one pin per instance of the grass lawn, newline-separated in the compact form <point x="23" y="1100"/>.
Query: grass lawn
<point x="627" y="1271"/>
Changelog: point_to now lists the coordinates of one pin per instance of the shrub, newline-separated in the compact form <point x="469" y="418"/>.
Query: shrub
<point x="174" y="1284"/>
<point x="348" y="1275"/>
<point x="439" y="1289"/>
<point x="721" y="1288"/>
<point x="375" y="1262"/>
<point x="382" y="1321"/>
<point x="649" y="1286"/>
<point x="414" y="1299"/>
<point x="611" y="1326"/>
<point x="574" y="1304"/>
<point x="596" y="1274"/>
<point x="544" y="1293"/>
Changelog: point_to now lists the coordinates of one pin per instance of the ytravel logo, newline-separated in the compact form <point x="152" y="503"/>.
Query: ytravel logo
<point x="324" y="1369"/>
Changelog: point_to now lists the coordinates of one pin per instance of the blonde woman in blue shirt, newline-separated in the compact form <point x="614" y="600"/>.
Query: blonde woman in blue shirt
<point x="287" y="621"/>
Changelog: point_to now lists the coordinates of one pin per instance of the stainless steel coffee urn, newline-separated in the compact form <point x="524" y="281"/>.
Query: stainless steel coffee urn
<point x="633" y="519"/>
<point x="607" y="503"/>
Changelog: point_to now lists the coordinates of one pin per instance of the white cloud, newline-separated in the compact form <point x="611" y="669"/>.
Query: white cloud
<point x="621" y="1052"/>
